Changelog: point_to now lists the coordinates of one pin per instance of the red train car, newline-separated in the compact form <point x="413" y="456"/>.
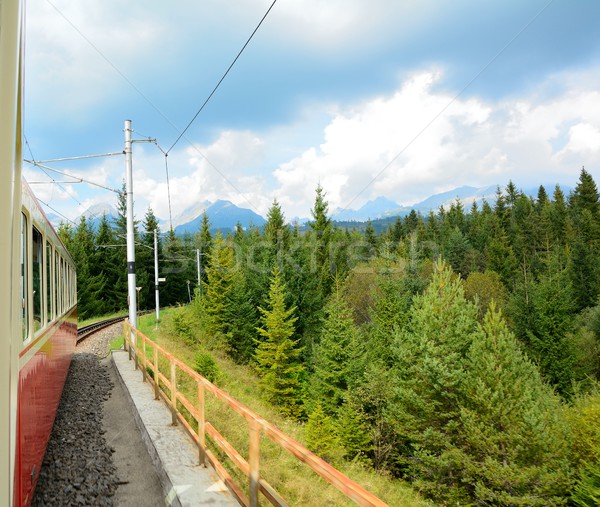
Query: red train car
<point x="47" y="339"/>
<point x="38" y="312"/>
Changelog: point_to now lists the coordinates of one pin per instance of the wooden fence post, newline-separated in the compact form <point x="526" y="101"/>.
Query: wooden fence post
<point x="144" y="360"/>
<point x="173" y="392"/>
<point x="201" y="424"/>
<point x="254" y="461"/>
<point x="156" y="378"/>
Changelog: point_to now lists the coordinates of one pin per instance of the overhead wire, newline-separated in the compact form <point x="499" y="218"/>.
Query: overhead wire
<point x="78" y="179"/>
<point x="58" y="183"/>
<point x="163" y="115"/>
<point x="56" y="211"/>
<point x="223" y="77"/>
<point x="166" y="154"/>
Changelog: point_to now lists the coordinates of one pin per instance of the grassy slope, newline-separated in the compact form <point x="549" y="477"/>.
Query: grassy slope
<point x="298" y="484"/>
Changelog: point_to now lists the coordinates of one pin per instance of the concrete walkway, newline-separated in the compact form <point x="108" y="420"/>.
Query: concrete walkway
<point x="177" y="473"/>
<point x="139" y="483"/>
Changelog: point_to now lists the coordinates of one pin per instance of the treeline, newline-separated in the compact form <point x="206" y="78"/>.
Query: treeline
<point x="458" y="350"/>
<point x="100" y="255"/>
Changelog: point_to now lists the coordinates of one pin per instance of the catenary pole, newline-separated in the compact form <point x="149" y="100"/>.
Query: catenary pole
<point x="156" y="274"/>
<point x="132" y="295"/>
<point x="198" y="264"/>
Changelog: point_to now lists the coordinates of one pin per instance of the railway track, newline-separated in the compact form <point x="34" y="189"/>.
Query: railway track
<point x="85" y="331"/>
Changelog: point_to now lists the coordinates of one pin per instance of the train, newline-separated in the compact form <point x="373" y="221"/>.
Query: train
<point x="38" y="295"/>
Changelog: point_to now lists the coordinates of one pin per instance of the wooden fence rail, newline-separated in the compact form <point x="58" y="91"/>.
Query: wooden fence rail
<point x="256" y="427"/>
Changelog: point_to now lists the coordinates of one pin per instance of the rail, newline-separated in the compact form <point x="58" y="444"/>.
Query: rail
<point x="85" y="331"/>
<point x="256" y="426"/>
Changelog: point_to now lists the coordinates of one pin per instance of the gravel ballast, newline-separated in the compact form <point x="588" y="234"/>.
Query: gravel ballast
<point x="78" y="467"/>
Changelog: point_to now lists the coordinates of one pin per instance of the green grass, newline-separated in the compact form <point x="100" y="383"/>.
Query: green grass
<point x="292" y="479"/>
<point x="93" y="320"/>
<point x="117" y="343"/>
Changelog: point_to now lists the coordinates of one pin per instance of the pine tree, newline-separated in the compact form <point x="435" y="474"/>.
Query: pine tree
<point x="429" y="371"/>
<point x="455" y="252"/>
<point x="277" y="354"/>
<point x="479" y="423"/>
<point x="150" y="225"/>
<point x="276" y="231"/>
<point x="585" y="196"/>
<point x="204" y="244"/>
<point x="218" y="287"/>
<point x="353" y="432"/>
<point x="178" y="269"/>
<point x="390" y="313"/>
<point x="513" y="444"/>
<point x="82" y="250"/>
<point x="320" y="434"/>
<point x="552" y="309"/>
<point x="336" y="355"/>
<point x="241" y="321"/>
<point x="321" y="228"/>
<point x="371" y="239"/>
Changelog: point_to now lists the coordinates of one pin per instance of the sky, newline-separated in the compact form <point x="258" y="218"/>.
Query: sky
<point x="402" y="99"/>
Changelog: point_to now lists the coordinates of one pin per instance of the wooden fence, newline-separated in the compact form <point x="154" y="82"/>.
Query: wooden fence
<point x="256" y="426"/>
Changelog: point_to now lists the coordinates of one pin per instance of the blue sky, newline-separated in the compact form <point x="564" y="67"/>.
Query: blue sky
<point x="367" y="97"/>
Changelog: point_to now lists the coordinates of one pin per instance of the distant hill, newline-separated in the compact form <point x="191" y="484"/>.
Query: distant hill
<point x="223" y="216"/>
<point x="377" y="208"/>
<point x="466" y="194"/>
<point x="95" y="213"/>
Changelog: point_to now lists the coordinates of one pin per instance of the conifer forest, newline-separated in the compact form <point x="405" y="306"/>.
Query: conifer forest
<point x="459" y="350"/>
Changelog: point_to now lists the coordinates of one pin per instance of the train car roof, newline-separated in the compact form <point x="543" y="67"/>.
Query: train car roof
<point x="41" y="216"/>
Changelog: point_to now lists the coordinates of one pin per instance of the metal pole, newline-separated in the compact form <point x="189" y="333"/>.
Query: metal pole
<point x="132" y="299"/>
<point x="198" y="263"/>
<point x="156" y="274"/>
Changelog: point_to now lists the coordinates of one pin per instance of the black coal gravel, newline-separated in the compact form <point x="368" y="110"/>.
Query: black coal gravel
<point x="78" y="468"/>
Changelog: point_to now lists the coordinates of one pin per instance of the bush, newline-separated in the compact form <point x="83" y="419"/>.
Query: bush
<point x="182" y="325"/>
<point x="587" y="490"/>
<point x="206" y="366"/>
<point x="584" y="416"/>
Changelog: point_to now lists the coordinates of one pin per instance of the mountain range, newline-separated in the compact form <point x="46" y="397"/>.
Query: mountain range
<point x="224" y="215"/>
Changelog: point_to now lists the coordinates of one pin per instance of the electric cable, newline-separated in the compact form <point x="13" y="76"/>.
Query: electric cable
<point x="223" y="77"/>
<point x="78" y="178"/>
<point x="56" y="211"/>
<point x="51" y="178"/>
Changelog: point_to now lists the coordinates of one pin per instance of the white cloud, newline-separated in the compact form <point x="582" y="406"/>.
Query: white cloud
<point x="419" y="141"/>
<point x="225" y="169"/>
<point x="406" y="146"/>
<point x="584" y="138"/>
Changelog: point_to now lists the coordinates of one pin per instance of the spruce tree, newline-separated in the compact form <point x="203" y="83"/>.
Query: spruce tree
<point x="150" y="225"/>
<point x="429" y="371"/>
<point x="276" y="231"/>
<point x="585" y="196"/>
<point x="552" y="309"/>
<point x="242" y="320"/>
<point x="371" y="239"/>
<point x="478" y="422"/>
<point x="321" y="228"/>
<point x="353" y="432"/>
<point x="336" y="355"/>
<point x="513" y="442"/>
<point x="217" y="290"/>
<point x="277" y="353"/>
<point x="119" y="252"/>
<point x="320" y="434"/>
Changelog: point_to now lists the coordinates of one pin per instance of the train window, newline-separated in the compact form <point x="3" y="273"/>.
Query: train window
<point x="24" y="321"/>
<point x="49" y="281"/>
<point x="63" y="301"/>
<point x="37" y="269"/>
<point x="56" y="284"/>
